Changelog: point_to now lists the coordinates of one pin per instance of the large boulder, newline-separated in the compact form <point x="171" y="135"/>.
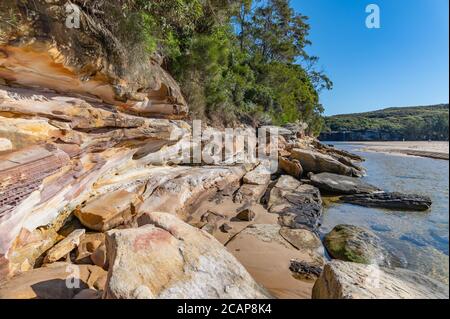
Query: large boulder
<point x="171" y="259"/>
<point x="299" y="204"/>
<point x="341" y="185"/>
<point x="316" y="162"/>
<point x="55" y="281"/>
<point x="356" y="244"/>
<point x="346" y="280"/>
<point x="397" y="201"/>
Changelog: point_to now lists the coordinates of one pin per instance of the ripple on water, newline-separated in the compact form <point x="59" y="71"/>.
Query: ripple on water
<point x="419" y="238"/>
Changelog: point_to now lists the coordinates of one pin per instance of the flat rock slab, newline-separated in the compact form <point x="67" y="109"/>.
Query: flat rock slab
<point x="341" y="185"/>
<point x="171" y="259"/>
<point x="65" y="246"/>
<point x="108" y="211"/>
<point x="390" y="200"/>
<point x="346" y="280"/>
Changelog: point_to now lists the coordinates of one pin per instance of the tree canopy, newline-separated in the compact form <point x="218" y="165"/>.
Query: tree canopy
<point x="236" y="60"/>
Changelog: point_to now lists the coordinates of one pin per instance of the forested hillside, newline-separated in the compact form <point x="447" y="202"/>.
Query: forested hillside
<point x="236" y="60"/>
<point x="409" y="123"/>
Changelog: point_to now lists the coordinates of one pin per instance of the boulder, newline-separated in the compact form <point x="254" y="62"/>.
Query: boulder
<point x="316" y="162"/>
<point x="396" y="201"/>
<point x="290" y="167"/>
<point x="108" y="211"/>
<point x="259" y="176"/>
<point x="297" y="202"/>
<point x="346" y="280"/>
<point x="171" y="259"/>
<point x="355" y="244"/>
<point x="56" y="281"/>
<point x="99" y="257"/>
<point x="303" y="269"/>
<point x="249" y="193"/>
<point x="246" y="215"/>
<point x="65" y="246"/>
<point x="341" y="185"/>
<point x="88" y="244"/>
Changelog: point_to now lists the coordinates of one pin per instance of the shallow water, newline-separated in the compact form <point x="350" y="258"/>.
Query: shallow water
<point x="419" y="239"/>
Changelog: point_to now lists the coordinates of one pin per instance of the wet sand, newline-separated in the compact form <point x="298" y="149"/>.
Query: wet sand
<point x="266" y="261"/>
<point x="436" y="150"/>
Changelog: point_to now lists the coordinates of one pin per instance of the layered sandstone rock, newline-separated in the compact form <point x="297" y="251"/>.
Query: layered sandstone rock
<point x="171" y="259"/>
<point x="316" y="162"/>
<point x="341" y="185"/>
<point x="57" y="281"/>
<point x="89" y="61"/>
<point x="344" y="280"/>
<point x="299" y="205"/>
<point x="65" y="246"/>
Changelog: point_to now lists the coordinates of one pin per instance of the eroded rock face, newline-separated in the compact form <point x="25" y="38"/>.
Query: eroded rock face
<point x="341" y="185"/>
<point x="65" y="246"/>
<point x="345" y="280"/>
<point x="316" y="162"/>
<point x="390" y="200"/>
<point x="90" y="61"/>
<point x="177" y="194"/>
<point x="109" y="210"/>
<point x="56" y="281"/>
<point x="171" y="259"/>
<point x="299" y="204"/>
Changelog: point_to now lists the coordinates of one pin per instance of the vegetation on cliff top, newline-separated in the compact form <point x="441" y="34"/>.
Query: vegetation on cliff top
<point x="420" y="122"/>
<point x="236" y="60"/>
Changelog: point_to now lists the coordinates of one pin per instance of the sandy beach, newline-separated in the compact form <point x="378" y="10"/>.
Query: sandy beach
<point x="437" y="150"/>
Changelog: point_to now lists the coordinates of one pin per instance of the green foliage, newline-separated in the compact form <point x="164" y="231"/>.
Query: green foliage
<point x="412" y="123"/>
<point x="236" y="60"/>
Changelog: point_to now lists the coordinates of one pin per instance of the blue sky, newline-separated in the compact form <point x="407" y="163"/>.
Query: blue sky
<point x="404" y="63"/>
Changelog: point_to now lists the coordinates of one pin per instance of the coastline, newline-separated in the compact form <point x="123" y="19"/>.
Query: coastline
<point x="436" y="150"/>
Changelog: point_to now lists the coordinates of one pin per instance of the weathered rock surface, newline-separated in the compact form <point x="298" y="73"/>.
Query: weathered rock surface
<point x="345" y="280"/>
<point x="316" y="162"/>
<point x="65" y="246"/>
<point x="290" y="167"/>
<point x="342" y="185"/>
<point x="56" y="281"/>
<point x="88" y="244"/>
<point x="301" y="202"/>
<point x="246" y="214"/>
<point x="109" y="210"/>
<point x="391" y="201"/>
<point x="356" y="244"/>
<point x="259" y="176"/>
<point x="171" y="259"/>
<point x="178" y="194"/>
<point x="77" y="61"/>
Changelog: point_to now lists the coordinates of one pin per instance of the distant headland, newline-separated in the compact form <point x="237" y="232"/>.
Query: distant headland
<point x="419" y="123"/>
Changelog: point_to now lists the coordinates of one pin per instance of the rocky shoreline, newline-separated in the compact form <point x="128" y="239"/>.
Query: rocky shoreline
<point x="98" y="199"/>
